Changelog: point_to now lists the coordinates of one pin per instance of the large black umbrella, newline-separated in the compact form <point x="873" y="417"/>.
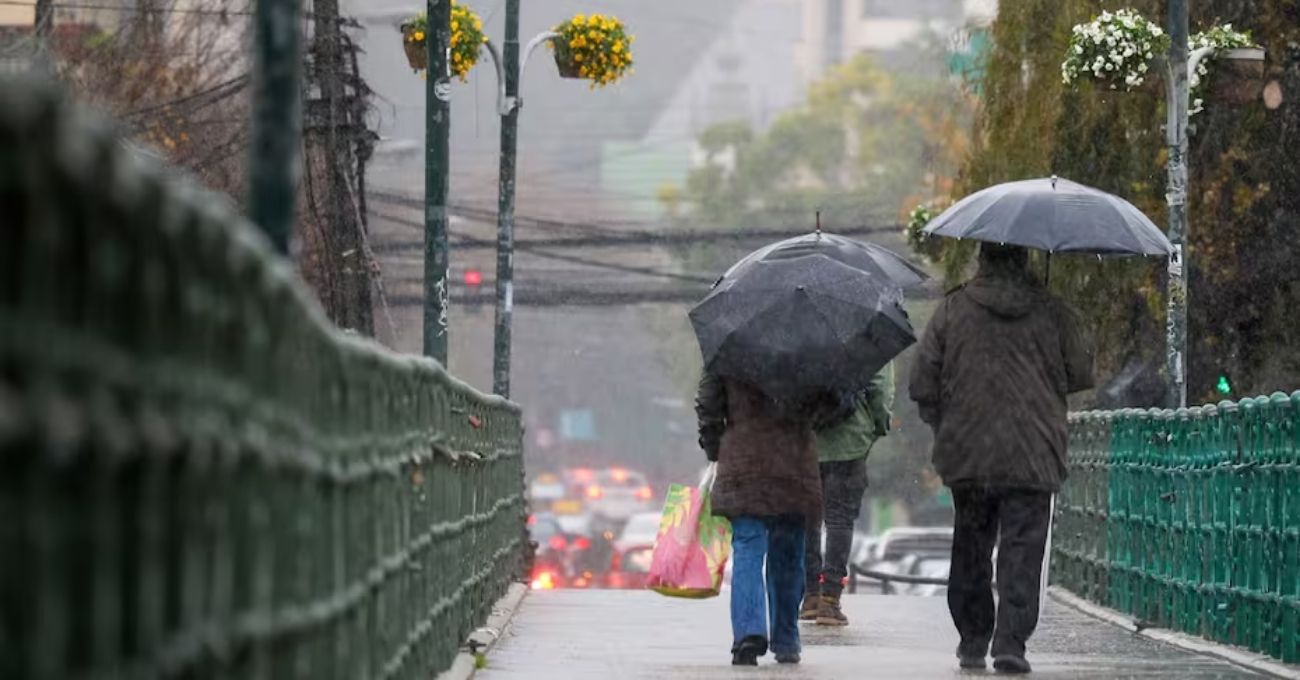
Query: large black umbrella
<point x="865" y="256"/>
<point x="794" y="327"/>
<point x="1055" y="215"/>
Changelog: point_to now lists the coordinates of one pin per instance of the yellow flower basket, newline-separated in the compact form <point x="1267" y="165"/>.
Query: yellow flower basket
<point x="595" y="48"/>
<point x="467" y="38"/>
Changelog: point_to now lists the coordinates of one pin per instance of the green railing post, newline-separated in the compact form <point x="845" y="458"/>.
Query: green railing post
<point x="1198" y="519"/>
<point x="205" y="478"/>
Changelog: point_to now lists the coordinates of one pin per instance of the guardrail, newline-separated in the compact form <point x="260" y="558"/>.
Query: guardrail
<point x="886" y="579"/>
<point x="199" y="476"/>
<point x="1189" y="519"/>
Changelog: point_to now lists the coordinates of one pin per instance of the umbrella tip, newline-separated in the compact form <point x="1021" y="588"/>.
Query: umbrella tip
<point x="1053" y="181"/>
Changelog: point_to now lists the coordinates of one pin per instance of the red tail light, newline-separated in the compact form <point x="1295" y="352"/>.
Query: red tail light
<point x="581" y="543"/>
<point x="644" y="493"/>
<point x="557" y="542"/>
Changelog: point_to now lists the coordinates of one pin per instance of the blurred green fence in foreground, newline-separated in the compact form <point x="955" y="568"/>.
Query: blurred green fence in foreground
<point x="1189" y="519"/>
<point x="199" y="476"/>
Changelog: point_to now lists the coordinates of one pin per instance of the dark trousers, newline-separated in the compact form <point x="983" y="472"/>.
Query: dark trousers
<point x="1017" y="520"/>
<point x="843" y="483"/>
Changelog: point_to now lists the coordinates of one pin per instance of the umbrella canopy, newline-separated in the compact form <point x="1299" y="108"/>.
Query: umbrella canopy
<point x="865" y="256"/>
<point x="794" y="327"/>
<point x="1055" y="215"/>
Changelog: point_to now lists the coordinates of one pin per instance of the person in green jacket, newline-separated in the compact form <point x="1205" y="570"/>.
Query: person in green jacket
<point x="842" y="458"/>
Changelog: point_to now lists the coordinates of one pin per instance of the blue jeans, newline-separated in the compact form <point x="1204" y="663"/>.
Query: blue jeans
<point x="761" y="605"/>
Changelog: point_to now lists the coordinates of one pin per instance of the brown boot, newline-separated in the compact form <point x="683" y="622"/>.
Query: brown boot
<point x="829" y="613"/>
<point x="812" y="604"/>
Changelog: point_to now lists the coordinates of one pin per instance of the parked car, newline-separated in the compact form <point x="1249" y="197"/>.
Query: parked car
<point x="899" y="542"/>
<point x="550" y="561"/>
<point x="630" y="566"/>
<point x="913" y="551"/>
<point x="641" y="529"/>
<point x="616" y="494"/>
<point x="590" y="549"/>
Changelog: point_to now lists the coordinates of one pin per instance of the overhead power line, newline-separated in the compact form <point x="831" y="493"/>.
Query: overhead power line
<point x="616" y="237"/>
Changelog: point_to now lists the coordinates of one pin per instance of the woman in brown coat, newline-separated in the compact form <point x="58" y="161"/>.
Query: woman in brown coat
<point x="767" y="484"/>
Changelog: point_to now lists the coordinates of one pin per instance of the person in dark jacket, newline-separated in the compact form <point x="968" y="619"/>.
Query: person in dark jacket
<point x="842" y="458"/>
<point x="991" y="378"/>
<point x="767" y="484"/>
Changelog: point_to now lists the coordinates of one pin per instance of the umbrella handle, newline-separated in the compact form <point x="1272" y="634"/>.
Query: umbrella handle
<point x="1047" y="277"/>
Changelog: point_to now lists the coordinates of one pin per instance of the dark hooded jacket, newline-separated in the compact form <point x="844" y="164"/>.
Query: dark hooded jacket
<point x="994" y="368"/>
<point x="767" y="462"/>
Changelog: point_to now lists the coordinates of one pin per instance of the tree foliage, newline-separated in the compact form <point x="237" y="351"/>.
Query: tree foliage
<point x="1244" y="192"/>
<point x="863" y="143"/>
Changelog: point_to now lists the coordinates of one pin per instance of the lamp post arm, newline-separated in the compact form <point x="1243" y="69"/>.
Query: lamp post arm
<point x="506" y="103"/>
<point x="1194" y="60"/>
<point x="501" y="78"/>
<point x="528" y="53"/>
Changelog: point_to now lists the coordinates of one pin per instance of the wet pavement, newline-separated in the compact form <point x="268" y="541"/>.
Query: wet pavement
<point x="626" y="635"/>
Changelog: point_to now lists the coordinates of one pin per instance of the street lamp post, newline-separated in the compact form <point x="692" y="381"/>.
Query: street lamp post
<point x="510" y="70"/>
<point x="277" y="118"/>
<point x="437" y="127"/>
<point x="1180" y="67"/>
<point x="1176" y="90"/>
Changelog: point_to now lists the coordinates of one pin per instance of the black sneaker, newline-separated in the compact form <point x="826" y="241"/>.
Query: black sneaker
<point x="1011" y="663"/>
<point x="972" y="663"/>
<point x="747" y="652"/>
<point x="792" y="658"/>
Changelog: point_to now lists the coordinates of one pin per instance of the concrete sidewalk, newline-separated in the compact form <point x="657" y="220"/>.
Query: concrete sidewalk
<point x="626" y="635"/>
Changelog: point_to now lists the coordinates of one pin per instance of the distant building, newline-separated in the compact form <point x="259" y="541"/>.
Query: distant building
<point x="834" y="31"/>
<point x="748" y="74"/>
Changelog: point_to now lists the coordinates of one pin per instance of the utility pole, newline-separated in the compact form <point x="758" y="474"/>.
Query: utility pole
<point x="332" y="133"/>
<point x="437" y="126"/>
<point x="506" y="205"/>
<point x="277" y="117"/>
<point x="1176" y="88"/>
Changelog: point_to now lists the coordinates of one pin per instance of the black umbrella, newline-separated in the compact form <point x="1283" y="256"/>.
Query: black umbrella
<point x="1055" y="215"/>
<point x="865" y="256"/>
<point x="795" y="327"/>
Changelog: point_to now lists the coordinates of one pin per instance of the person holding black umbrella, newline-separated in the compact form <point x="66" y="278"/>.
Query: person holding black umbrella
<point x="767" y="484"/>
<point x="786" y="334"/>
<point x="991" y="377"/>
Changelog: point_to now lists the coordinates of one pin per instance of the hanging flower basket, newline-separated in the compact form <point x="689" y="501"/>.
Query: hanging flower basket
<point x="1116" y="49"/>
<point x="413" y="43"/>
<point x="596" y="48"/>
<point x="1232" y="73"/>
<point x="1238" y="76"/>
<point x="1119" y="49"/>
<point x="565" y="64"/>
<point x="467" y="39"/>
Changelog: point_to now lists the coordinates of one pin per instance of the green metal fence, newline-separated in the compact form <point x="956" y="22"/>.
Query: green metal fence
<point x="1189" y="519"/>
<point x="199" y="476"/>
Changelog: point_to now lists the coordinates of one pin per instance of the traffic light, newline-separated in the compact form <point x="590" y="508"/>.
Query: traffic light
<point x="1223" y="386"/>
<point x="473" y="280"/>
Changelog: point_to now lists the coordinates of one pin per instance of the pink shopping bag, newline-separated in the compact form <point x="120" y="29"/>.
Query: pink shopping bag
<point x="693" y="545"/>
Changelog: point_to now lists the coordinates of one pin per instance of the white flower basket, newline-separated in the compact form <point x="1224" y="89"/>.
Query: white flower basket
<point x="1117" y="50"/>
